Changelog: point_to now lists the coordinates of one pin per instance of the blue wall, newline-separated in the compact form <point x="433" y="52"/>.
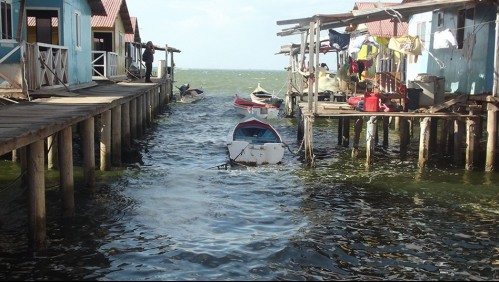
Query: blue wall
<point x="464" y="76"/>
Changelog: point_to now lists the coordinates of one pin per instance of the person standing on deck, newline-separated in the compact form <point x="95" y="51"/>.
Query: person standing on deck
<point x="148" y="58"/>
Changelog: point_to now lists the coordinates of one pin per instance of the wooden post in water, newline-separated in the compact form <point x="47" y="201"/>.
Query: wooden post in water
<point x="125" y="126"/>
<point x="308" y="138"/>
<point x="492" y="110"/>
<point x="133" y="118"/>
<point x="52" y="152"/>
<point x="424" y="142"/>
<point x="470" y="143"/>
<point x="340" y="131"/>
<point x="370" y="139"/>
<point x="433" y="134"/>
<point x="88" y="142"/>
<point x="105" y="141"/>
<point x="458" y="139"/>
<point x="145" y="111"/>
<point x="356" y="137"/>
<point x="66" y="171"/>
<point x="346" y="132"/>
<point x="140" y="120"/>
<point x="116" y="136"/>
<point x="148" y="108"/>
<point x="36" y="189"/>
<point x="386" y="130"/>
<point x="444" y="136"/>
<point x="404" y="136"/>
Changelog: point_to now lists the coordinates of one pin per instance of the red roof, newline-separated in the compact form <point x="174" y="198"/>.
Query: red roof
<point x="135" y="36"/>
<point x="383" y="28"/>
<point x="113" y="9"/>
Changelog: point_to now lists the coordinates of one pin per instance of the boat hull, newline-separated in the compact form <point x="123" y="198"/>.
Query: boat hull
<point x="247" y="107"/>
<point x="253" y="142"/>
<point x="255" y="154"/>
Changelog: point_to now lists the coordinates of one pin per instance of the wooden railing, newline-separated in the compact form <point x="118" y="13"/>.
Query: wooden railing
<point x="104" y="64"/>
<point x="46" y="65"/>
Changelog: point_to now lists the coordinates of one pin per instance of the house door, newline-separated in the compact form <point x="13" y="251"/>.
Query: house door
<point x="103" y="41"/>
<point x="43" y="26"/>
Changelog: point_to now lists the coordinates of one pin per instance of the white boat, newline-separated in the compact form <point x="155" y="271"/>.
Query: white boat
<point x="253" y="142"/>
<point x="246" y="107"/>
<point x="262" y="96"/>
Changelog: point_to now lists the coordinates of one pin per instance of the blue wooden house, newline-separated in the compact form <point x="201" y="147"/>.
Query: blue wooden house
<point x="459" y="41"/>
<point x="45" y="44"/>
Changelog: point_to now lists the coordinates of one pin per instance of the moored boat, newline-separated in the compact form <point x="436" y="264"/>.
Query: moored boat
<point x="262" y="96"/>
<point x="189" y="95"/>
<point x="254" y="142"/>
<point x="247" y="107"/>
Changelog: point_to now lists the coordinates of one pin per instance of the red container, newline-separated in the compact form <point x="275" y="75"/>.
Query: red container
<point x="371" y="103"/>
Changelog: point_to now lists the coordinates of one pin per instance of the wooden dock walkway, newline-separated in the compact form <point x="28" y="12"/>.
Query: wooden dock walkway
<point x="463" y="129"/>
<point x="39" y="134"/>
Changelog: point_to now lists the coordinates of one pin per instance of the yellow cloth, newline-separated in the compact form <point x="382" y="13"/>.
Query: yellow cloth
<point x="406" y="44"/>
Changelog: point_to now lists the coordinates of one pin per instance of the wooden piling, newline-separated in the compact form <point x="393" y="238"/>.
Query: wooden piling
<point x="492" y="110"/>
<point x="404" y="136"/>
<point x="66" y="171"/>
<point x="125" y="126"/>
<point x="52" y="152"/>
<point x="424" y="142"/>
<point x="116" y="136"/>
<point x="386" y="130"/>
<point x="308" y="139"/>
<point x="133" y="119"/>
<point x="458" y="139"/>
<point x="36" y="188"/>
<point x="356" y="137"/>
<point x="470" y="143"/>
<point x="105" y="141"/>
<point x="346" y="132"/>
<point x="87" y="137"/>
<point x="370" y="140"/>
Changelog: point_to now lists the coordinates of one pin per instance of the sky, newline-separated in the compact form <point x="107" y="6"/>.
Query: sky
<point x="227" y="34"/>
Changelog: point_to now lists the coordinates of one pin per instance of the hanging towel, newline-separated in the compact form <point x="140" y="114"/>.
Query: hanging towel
<point x="444" y="39"/>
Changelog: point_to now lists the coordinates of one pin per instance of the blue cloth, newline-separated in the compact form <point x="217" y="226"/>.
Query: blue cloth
<point x="338" y="41"/>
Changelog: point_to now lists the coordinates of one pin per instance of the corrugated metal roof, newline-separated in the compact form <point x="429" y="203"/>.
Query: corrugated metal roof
<point x="135" y="36"/>
<point x="97" y="7"/>
<point x="405" y="9"/>
<point x="113" y="9"/>
<point x="383" y="28"/>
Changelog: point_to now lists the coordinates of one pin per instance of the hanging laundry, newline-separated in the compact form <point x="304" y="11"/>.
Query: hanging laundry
<point x="356" y="43"/>
<point x="406" y="44"/>
<point x="444" y="39"/>
<point x="338" y="41"/>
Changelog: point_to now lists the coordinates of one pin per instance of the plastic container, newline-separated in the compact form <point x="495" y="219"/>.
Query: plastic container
<point x="371" y="103"/>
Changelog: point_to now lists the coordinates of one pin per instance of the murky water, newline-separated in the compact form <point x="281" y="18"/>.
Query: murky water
<point x="173" y="215"/>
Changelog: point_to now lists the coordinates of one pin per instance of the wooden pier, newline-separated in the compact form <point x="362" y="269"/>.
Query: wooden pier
<point x="437" y="130"/>
<point x="119" y="112"/>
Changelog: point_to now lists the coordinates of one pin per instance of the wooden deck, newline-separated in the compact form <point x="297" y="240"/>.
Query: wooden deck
<point x="24" y="123"/>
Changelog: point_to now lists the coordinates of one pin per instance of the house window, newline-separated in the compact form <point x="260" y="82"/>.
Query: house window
<point x="440" y="19"/>
<point x="465" y="17"/>
<point x="6" y="19"/>
<point x="78" y="29"/>
<point x="421" y="31"/>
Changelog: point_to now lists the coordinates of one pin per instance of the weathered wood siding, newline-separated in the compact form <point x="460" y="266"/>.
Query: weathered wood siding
<point x="464" y="76"/>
